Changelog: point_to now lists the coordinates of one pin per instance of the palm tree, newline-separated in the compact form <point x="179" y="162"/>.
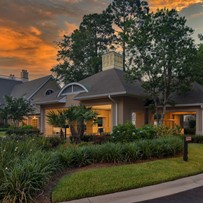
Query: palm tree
<point x="58" y="119"/>
<point x="79" y="115"/>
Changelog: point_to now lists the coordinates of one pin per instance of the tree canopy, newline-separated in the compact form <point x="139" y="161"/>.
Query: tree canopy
<point x="162" y="51"/>
<point x="79" y="54"/>
<point x="15" y="109"/>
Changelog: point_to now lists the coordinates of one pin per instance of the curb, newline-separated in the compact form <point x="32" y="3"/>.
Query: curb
<point x="147" y="193"/>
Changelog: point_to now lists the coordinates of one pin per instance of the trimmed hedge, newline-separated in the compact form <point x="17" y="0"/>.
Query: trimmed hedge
<point x="121" y="153"/>
<point x="22" y="131"/>
<point x="197" y="139"/>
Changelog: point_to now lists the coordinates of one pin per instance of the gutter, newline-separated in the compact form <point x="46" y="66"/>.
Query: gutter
<point x="116" y="108"/>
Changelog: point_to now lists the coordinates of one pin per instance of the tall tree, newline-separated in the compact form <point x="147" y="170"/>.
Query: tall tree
<point x="79" y="55"/>
<point x="161" y="54"/>
<point x="16" y="109"/>
<point x="123" y="14"/>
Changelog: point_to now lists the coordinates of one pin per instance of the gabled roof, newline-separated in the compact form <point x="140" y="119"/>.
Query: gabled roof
<point x="51" y="99"/>
<point x="30" y="88"/>
<point x="6" y="86"/>
<point x="193" y="96"/>
<point x="109" y="82"/>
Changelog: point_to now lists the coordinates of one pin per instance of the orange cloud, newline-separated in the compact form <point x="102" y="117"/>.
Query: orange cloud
<point x="26" y="49"/>
<point x="176" y="4"/>
<point x="68" y="29"/>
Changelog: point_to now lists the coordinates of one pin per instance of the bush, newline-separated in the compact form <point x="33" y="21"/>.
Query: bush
<point x="129" y="133"/>
<point x="197" y="139"/>
<point x="24" y="168"/>
<point x="164" y="131"/>
<point x="121" y="153"/>
<point x="23" y="131"/>
<point x="51" y="142"/>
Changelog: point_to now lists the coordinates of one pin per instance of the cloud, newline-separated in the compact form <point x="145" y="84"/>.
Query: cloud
<point x="176" y="4"/>
<point x="29" y="28"/>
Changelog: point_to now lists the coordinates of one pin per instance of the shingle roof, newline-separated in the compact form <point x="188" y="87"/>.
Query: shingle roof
<point x="50" y="99"/>
<point x="28" y="89"/>
<point x="6" y="86"/>
<point x="193" y="96"/>
<point x="109" y="82"/>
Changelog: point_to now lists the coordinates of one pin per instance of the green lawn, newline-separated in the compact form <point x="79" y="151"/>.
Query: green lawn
<point x="99" y="181"/>
<point x="2" y="134"/>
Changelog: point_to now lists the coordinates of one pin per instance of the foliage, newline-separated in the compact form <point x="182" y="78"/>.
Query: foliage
<point x="23" y="131"/>
<point x="165" y="131"/>
<point x="125" y="177"/>
<point x="162" y="54"/>
<point x="24" y="168"/>
<point x="79" y="54"/>
<point x="79" y="115"/>
<point x="15" y="109"/>
<point x="197" y="139"/>
<point x="129" y="133"/>
<point x="120" y="153"/>
<point x="123" y="12"/>
<point x="57" y="119"/>
<point x="50" y="143"/>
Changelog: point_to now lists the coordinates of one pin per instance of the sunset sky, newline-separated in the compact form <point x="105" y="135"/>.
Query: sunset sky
<point x="30" y="28"/>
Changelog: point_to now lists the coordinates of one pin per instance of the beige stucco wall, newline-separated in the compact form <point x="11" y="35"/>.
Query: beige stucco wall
<point x="134" y="104"/>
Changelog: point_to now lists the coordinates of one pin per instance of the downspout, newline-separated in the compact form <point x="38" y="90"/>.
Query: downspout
<point x="116" y="108"/>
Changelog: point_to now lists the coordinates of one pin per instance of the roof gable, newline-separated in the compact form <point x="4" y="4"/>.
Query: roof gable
<point x="30" y="88"/>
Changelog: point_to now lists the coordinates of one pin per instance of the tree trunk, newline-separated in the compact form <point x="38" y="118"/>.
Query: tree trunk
<point x="74" y="134"/>
<point x="61" y="134"/>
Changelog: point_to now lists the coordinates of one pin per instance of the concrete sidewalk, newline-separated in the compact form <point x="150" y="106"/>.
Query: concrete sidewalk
<point x="146" y="193"/>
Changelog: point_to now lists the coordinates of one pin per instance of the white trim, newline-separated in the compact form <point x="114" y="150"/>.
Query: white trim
<point x="72" y="84"/>
<point x="101" y="95"/>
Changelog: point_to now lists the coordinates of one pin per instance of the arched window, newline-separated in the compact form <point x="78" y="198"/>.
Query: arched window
<point x="72" y="88"/>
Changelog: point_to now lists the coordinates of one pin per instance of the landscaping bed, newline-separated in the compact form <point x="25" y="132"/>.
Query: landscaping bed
<point x="86" y="183"/>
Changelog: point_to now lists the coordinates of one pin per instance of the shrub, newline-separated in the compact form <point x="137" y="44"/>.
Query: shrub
<point x="23" y="131"/>
<point x="24" y="179"/>
<point x="121" y="153"/>
<point x="164" y="131"/>
<point x="24" y="168"/>
<point x="51" y="142"/>
<point x="124" y="133"/>
<point x="129" y="133"/>
<point x="197" y="139"/>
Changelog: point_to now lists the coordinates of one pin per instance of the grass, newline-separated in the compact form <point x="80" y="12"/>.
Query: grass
<point x="2" y="134"/>
<point x="100" y="181"/>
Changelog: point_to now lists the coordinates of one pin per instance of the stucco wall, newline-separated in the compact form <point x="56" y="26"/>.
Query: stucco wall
<point x="136" y="105"/>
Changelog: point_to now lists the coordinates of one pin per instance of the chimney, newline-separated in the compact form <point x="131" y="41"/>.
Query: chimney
<point x="24" y="75"/>
<point x="12" y="77"/>
<point x="112" y="60"/>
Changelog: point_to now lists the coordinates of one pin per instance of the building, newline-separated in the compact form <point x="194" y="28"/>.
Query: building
<point x="115" y="100"/>
<point x="30" y="90"/>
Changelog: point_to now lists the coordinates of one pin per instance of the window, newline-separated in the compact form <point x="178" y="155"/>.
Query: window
<point x="48" y="92"/>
